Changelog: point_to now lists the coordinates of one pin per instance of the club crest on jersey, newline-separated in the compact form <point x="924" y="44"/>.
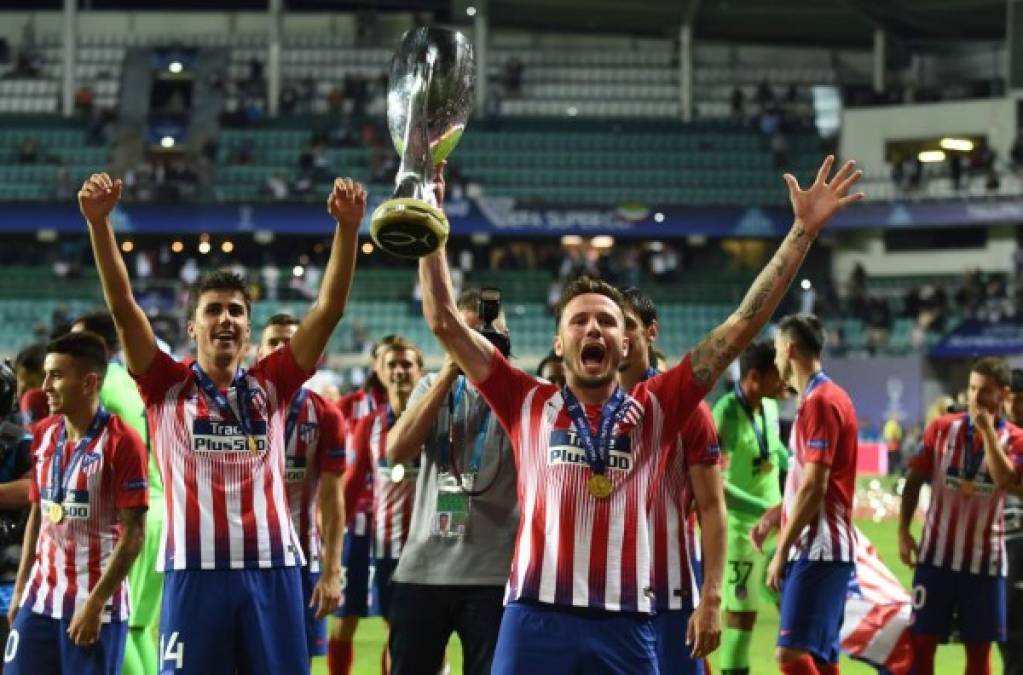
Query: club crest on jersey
<point x="91" y="463"/>
<point x="209" y="436"/>
<point x="307" y="431"/>
<point x="566" y="448"/>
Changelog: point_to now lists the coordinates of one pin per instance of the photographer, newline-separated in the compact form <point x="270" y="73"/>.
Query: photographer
<point x="452" y="572"/>
<point x="15" y="464"/>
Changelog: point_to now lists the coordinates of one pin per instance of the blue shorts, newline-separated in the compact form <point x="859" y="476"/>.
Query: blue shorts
<point x="974" y="603"/>
<point x="315" y="629"/>
<point x="355" y="558"/>
<point x="813" y="607"/>
<point x="223" y="621"/>
<point x="538" y="639"/>
<point x="39" y="644"/>
<point x="673" y="654"/>
<point x="383" y="570"/>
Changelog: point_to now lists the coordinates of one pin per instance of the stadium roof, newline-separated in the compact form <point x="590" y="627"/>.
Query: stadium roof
<point x="817" y="22"/>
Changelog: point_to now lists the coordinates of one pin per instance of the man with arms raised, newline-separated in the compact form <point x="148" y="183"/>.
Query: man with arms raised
<point x="587" y="453"/>
<point x="969" y="459"/>
<point x="314" y="439"/>
<point x="748" y="427"/>
<point x="687" y="594"/>
<point x="86" y="526"/>
<point x="230" y="552"/>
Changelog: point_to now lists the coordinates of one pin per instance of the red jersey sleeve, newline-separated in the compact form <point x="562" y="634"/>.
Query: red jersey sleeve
<point x="331" y="455"/>
<point x="818" y="430"/>
<point x="1014" y="448"/>
<point x="923" y="460"/>
<point x="33" y="485"/>
<point x="679" y="393"/>
<point x="131" y="487"/>
<point x="280" y="369"/>
<point x="505" y="389"/>
<point x="354" y="480"/>
<point x="163" y="373"/>
<point x="700" y="439"/>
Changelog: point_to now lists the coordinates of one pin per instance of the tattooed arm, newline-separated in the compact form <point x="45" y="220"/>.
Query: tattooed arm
<point x="812" y="208"/>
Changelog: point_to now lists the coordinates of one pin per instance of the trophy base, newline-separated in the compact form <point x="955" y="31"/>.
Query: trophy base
<point x="409" y="228"/>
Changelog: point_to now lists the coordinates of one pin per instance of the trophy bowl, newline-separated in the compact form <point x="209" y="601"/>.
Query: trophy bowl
<point x="429" y="100"/>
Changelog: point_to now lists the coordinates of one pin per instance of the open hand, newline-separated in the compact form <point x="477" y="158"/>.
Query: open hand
<point x="816" y="205"/>
<point x="775" y="571"/>
<point x="84" y="627"/>
<point x="703" y="632"/>
<point x="326" y="595"/>
<point x="98" y="197"/>
<point x="347" y="203"/>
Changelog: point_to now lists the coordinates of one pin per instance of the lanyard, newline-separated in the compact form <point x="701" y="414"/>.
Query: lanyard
<point x="650" y="372"/>
<point x="748" y="409"/>
<point x="819" y="378"/>
<point x="971" y="458"/>
<point x="293" y="413"/>
<point x="597" y="451"/>
<point x="220" y="400"/>
<point x="447" y="442"/>
<point x="59" y="478"/>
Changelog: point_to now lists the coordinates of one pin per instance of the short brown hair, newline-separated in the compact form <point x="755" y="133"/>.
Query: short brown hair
<point x="806" y="331"/>
<point x="994" y="367"/>
<point x="282" y="319"/>
<point x="398" y="342"/>
<point x="86" y="349"/>
<point x="219" y="280"/>
<point x="584" y="285"/>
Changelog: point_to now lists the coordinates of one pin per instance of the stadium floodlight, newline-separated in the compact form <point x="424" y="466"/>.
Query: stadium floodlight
<point x="957" y="144"/>
<point x="227" y="246"/>
<point x="931" y="156"/>
<point x="175" y="67"/>
<point x="178" y="246"/>
<point x="367" y="248"/>
<point x="167" y="142"/>
<point x="571" y="240"/>
<point x="572" y="111"/>
<point x="470" y="10"/>
<point x="658" y="217"/>
<point x="805" y="284"/>
<point x="602" y="241"/>
<point x="127" y="246"/>
<point x="297" y="271"/>
<point x="204" y="247"/>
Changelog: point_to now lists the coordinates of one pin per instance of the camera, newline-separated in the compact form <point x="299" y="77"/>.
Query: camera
<point x="488" y="310"/>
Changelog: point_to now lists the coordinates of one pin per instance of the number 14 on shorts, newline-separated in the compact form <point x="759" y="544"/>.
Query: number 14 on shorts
<point x="173" y="650"/>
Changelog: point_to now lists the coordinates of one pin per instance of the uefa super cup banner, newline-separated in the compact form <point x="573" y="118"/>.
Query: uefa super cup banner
<point x="429" y="99"/>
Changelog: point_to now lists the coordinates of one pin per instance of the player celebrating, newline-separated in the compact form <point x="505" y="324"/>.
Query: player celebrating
<point x="230" y="552"/>
<point x="687" y="595"/>
<point x="314" y="438"/>
<point x="586" y="453"/>
<point x="748" y="427"/>
<point x="816" y="550"/>
<point x="120" y="396"/>
<point x="86" y="526"/>
<point x="358" y="539"/>
<point x="394" y="486"/>
<point x="969" y="459"/>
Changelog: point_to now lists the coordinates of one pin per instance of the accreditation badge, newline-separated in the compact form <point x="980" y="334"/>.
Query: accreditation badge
<point x="451" y="516"/>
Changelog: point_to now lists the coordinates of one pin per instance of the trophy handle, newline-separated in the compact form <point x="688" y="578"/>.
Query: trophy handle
<point x="417" y="155"/>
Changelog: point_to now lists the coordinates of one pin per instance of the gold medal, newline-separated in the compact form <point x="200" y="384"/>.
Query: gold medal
<point x="55" y="512"/>
<point x="253" y="446"/>
<point x="398" y="473"/>
<point x="599" y="486"/>
<point x="966" y="487"/>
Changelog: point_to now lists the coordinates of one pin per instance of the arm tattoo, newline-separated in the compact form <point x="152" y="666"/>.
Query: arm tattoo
<point x="723" y="344"/>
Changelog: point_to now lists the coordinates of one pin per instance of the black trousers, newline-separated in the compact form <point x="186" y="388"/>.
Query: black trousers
<point x="424" y="617"/>
<point x="1012" y="648"/>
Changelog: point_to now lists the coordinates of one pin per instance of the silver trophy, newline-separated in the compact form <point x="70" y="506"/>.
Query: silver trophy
<point x="429" y="99"/>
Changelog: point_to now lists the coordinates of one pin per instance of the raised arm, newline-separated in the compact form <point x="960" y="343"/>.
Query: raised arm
<point x="97" y="198"/>
<point x="405" y="439"/>
<point x="470" y="350"/>
<point x="812" y="208"/>
<point x="347" y="204"/>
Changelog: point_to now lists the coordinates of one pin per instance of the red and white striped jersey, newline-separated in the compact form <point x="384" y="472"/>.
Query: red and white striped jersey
<point x="672" y="525"/>
<point x="316" y="446"/>
<point x="71" y="555"/>
<point x="825" y="432"/>
<point x="392" y="501"/>
<point x="227" y="508"/>
<point x="572" y="548"/>
<point x="354" y="406"/>
<point x="963" y="532"/>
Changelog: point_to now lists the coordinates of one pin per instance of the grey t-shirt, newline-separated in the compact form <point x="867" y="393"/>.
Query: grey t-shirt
<point x="483" y="556"/>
